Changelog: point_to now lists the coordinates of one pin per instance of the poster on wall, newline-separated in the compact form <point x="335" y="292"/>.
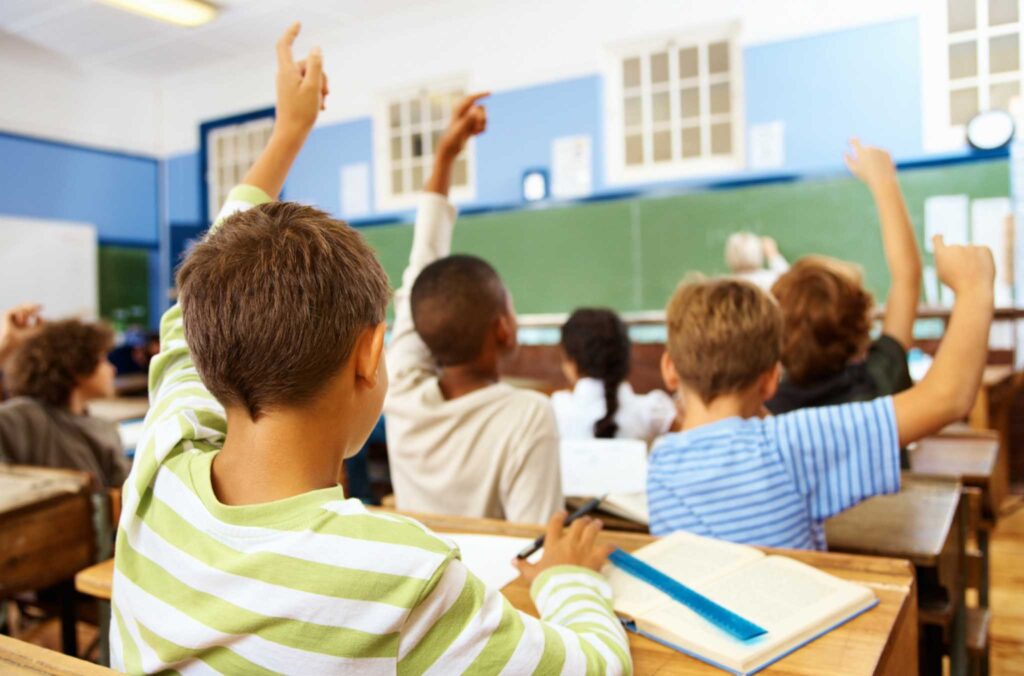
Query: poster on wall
<point x="355" y="190"/>
<point x="571" y="166"/>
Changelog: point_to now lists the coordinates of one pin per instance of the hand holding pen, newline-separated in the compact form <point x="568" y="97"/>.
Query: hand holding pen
<point x="572" y="546"/>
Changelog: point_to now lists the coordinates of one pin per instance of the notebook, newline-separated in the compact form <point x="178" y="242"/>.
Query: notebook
<point x="632" y="506"/>
<point x="598" y="466"/>
<point x="795" y="602"/>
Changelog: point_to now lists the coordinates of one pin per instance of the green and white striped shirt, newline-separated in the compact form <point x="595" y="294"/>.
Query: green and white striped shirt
<point x="313" y="584"/>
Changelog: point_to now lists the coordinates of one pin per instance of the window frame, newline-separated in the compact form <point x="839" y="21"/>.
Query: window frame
<point x="617" y="172"/>
<point x="383" y="165"/>
<point x="208" y="202"/>
<point x="940" y="133"/>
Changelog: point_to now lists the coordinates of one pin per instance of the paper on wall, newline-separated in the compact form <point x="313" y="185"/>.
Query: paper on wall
<point x="355" y="190"/>
<point x="991" y="226"/>
<point x="946" y="215"/>
<point x="767" y="145"/>
<point x="571" y="173"/>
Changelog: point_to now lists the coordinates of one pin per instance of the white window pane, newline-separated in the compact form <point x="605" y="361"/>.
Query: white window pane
<point x="691" y="141"/>
<point x="659" y="67"/>
<point x="396" y="181"/>
<point x="689" y="102"/>
<point x="721" y="138"/>
<point x="963" y="60"/>
<point x="662" y="146"/>
<point x="660" y="107"/>
<point x="962" y="15"/>
<point x="1001" y="94"/>
<point x="436" y="109"/>
<point x="718" y="57"/>
<point x="688" y="62"/>
<point x="460" y="174"/>
<point x="416" y="143"/>
<point x="631" y="72"/>
<point x="396" y="147"/>
<point x="633" y="109"/>
<point x="395" y="114"/>
<point x="719" y="94"/>
<point x="414" y="111"/>
<point x="1002" y="11"/>
<point x="417" y="177"/>
<point x="963" y="105"/>
<point x="634" y="149"/>
<point x="435" y="140"/>
<point x="1004" y="53"/>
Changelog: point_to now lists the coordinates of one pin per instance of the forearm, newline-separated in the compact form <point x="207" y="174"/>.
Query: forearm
<point x="948" y="391"/>
<point x="269" y="171"/>
<point x="902" y="257"/>
<point x="441" y="176"/>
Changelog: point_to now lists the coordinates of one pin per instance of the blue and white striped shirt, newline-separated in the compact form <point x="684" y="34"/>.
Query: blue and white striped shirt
<point x="773" y="482"/>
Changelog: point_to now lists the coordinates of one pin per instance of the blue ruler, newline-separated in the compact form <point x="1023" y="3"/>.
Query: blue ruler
<point x="723" y="618"/>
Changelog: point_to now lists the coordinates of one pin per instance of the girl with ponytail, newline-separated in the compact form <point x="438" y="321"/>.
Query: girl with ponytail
<point x="602" y="405"/>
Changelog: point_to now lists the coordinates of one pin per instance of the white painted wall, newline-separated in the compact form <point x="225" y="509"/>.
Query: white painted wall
<point x="49" y="97"/>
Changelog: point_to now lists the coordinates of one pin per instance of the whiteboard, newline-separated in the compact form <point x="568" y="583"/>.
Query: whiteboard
<point x="49" y="262"/>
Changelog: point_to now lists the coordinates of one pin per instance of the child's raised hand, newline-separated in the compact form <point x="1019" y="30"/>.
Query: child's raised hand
<point x="770" y="247"/>
<point x="19" y="323"/>
<point x="964" y="267"/>
<point x="468" y="119"/>
<point x="574" y="546"/>
<point x="301" y="87"/>
<point x="871" y="165"/>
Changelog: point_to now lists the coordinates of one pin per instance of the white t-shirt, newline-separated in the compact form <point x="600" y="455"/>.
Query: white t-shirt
<point x="765" y="278"/>
<point x="490" y="453"/>
<point x="640" y="416"/>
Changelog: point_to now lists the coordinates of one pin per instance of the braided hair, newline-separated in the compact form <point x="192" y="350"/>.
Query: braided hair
<point x="598" y="341"/>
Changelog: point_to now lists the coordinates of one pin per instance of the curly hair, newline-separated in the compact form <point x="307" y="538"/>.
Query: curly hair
<point x="826" y="313"/>
<point x="52" y="362"/>
<point x="598" y="341"/>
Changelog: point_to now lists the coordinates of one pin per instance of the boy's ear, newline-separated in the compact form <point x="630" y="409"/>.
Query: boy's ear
<point x="368" y="352"/>
<point x="769" y="383"/>
<point x="669" y="373"/>
<point x="505" y="332"/>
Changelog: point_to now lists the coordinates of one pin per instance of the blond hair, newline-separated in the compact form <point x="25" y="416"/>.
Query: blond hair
<point x="744" y="252"/>
<point x="723" y="334"/>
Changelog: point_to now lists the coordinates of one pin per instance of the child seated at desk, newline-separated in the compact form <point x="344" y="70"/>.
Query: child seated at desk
<point x="237" y="551"/>
<point x="460" y="441"/>
<point x="772" y="481"/>
<point x="827" y="351"/>
<point x="596" y="353"/>
<point x="55" y="370"/>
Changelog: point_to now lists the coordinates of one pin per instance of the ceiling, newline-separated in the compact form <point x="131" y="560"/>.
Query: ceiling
<point x="90" y="34"/>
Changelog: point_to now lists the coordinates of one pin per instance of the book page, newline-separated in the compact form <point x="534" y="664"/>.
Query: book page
<point x="631" y="506"/>
<point x="792" y="600"/>
<point x="690" y="559"/>
<point x="489" y="557"/>
<point x="593" y="467"/>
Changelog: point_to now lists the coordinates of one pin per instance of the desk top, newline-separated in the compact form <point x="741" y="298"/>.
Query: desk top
<point x="21" y="485"/>
<point x="858" y="647"/>
<point x="119" y="409"/>
<point x="18" y="658"/>
<point x="970" y="458"/>
<point x="996" y="374"/>
<point x="913" y="524"/>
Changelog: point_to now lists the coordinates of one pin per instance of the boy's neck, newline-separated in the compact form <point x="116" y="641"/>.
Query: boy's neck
<point x="462" y="379"/>
<point x="740" y="404"/>
<point x="279" y="456"/>
<point x="77" y="402"/>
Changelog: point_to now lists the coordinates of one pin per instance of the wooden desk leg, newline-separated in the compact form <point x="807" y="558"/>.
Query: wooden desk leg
<point x="103" y="610"/>
<point x="68" y="617"/>
<point x="983" y="583"/>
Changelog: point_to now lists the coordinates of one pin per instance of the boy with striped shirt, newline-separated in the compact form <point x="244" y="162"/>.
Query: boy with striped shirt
<point x="735" y="475"/>
<point x="237" y="552"/>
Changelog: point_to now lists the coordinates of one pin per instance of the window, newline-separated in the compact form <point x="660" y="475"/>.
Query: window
<point x="675" y="108"/>
<point x="231" y="148"/>
<point x="412" y="125"/>
<point x="980" y="62"/>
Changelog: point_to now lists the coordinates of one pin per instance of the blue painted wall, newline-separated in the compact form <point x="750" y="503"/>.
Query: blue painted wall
<point x="117" y="193"/>
<point x="183" y="188"/>
<point x="316" y="176"/>
<point x="863" y="81"/>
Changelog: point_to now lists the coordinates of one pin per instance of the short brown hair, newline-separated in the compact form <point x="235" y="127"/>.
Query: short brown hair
<point x="826" y="317"/>
<point x="49" y="365"/>
<point x="273" y="301"/>
<point x="723" y="334"/>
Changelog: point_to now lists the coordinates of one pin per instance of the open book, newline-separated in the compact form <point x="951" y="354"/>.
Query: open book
<point x="632" y="506"/>
<point x="795" y="602"/>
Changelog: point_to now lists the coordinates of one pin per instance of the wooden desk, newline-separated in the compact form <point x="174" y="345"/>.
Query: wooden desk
<point x="131" y="384"/>
<point x="882" y="641"/>
<point x="972" y="457"/>
<point x="922" y="524"/>
<point x="18" y="658"/>
<point x="46" y="534"/>
<point x="119" y="409"/>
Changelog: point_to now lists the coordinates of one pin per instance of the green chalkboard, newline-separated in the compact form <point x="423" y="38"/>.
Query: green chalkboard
<point x="630" y="254"/>
<point x="124" y="285"/>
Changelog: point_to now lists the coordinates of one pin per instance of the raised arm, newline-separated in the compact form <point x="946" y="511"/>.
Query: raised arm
<point x="948" y="391"/>
<point x="875" y="168"/>
<point x="432" y="235"/>
<point x="19" y="323"/>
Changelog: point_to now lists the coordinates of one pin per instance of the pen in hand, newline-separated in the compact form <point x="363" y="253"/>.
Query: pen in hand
<point x="585" y="509"/>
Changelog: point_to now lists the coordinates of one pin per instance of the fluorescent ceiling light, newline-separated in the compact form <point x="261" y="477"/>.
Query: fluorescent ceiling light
<point x="179" y="12"/>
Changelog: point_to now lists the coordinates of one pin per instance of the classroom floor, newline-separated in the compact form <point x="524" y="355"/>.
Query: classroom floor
<point x="1006" y="597"/>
